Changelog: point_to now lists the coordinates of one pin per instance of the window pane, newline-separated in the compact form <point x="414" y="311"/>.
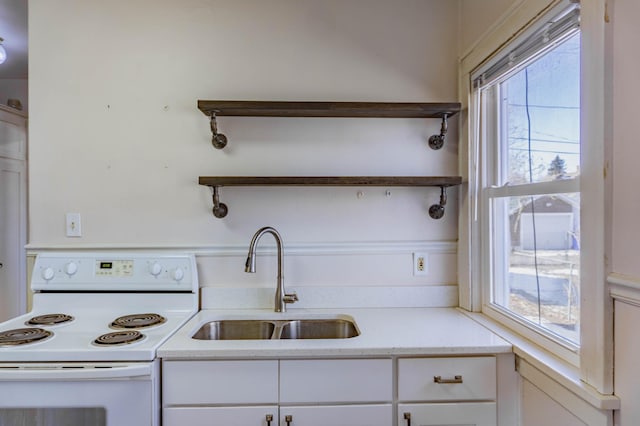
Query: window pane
<point x="537" y="262"/>
<point x="540" y="118"/>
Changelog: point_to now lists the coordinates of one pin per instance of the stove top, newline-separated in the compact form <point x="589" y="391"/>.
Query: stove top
<point x="119" y="338"/>
<point x="49" y="319"/>
<point x="113" y="307"/>
<point x="138" y="321"/>
<point x="23" y="336"/>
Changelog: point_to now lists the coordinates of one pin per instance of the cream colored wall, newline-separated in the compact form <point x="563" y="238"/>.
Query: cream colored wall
<point x="478" y="17"/>
<point x="626" y="201"/>
<point x="626" y="151"/>
<point x="115" y="134"/>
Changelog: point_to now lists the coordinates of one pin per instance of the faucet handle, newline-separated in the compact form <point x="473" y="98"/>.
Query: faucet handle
<point x="290" y="297"/>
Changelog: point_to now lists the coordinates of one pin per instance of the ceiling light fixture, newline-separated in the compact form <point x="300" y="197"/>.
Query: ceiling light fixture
<point x="3" y="53"/>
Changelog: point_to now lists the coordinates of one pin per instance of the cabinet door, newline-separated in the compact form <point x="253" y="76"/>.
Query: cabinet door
<point x="337" y="415"/>
<point x="13" y="231"/>
<point x="460" y="414"/>
<point x="13" y="134"/>
<point x="266" y="415"/>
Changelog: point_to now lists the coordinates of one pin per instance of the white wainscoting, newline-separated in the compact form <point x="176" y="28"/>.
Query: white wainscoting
<point x="325" y="275"/>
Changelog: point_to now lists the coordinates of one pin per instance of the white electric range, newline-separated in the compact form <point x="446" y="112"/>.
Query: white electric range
<point x="86" y="353"/>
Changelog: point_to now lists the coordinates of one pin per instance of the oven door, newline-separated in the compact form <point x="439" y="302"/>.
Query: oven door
<point x="64" y="394"/>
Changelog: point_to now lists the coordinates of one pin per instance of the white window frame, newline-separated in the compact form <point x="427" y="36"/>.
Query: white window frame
<point x="492" y="158"/>
<point x="594" y="357"/>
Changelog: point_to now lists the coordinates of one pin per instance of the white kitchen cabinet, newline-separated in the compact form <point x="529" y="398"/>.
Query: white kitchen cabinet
<point x="345" y="381"/>
<point x="13" y="213"/>
<point x="447" y="414"/>
<point x="246" y="392"/>
<point x="467" y="384"/>
<point x="337" y="415"/>
<point x="264" y="415"/>
<point x="440" y="391"/>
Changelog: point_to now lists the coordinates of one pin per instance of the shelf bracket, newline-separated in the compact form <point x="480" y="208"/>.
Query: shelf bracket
<point x="218" y="140"/>
<point x="220" y="210"/>
<point x="437" y="141"/>
<point x="436" y="211"/>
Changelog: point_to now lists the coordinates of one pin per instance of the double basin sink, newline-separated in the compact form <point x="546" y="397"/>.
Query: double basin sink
<point x="339" y="327"/>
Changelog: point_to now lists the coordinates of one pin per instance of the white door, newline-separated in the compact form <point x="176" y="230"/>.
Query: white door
<point x="13" y="287"/>
<point x="221" y="416"/>
<point x="458" y="414"/>
<point x="337" y="415"/>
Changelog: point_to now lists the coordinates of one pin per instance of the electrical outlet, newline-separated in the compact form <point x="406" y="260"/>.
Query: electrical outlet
<point x="420" y="264"/>
<point x="73" y="225"/>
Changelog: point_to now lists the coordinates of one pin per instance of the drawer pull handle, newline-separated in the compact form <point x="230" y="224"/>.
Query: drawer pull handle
<point x="288" y="419"/>
<point x="269" y="419"/>
<point x="407" y="417"/>
<point x="441" y="381"/>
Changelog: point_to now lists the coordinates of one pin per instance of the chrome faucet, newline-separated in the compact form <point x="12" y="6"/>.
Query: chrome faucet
<point x="281" y="298"/>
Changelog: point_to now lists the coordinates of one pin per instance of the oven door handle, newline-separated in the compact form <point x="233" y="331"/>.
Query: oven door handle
<point x="28" y="373"/>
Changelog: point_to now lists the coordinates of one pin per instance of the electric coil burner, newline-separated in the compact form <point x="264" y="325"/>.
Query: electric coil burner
<point x="138" y="321"/>
<point x="87" y="350"/>
<point x="23" y="336"/>
<point x="50" y="319"/>
<point x="119" y="338"/>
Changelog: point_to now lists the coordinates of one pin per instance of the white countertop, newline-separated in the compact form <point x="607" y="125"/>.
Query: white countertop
<point x="383" y="332"/>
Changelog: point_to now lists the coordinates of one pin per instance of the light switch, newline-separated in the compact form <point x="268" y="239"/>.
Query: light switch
<point x="74" y="228"/>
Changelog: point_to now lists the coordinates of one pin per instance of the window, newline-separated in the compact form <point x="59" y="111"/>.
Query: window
<point x="528" y="185"/>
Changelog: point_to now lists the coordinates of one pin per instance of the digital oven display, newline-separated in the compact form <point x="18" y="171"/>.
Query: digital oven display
<point x="114" y="268"/>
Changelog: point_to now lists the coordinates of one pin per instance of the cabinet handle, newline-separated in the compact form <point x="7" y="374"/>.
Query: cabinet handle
<point x="407" y="417"/>
<point x="269" y="419"/>
<point x="440" y="380"/>
<point x="288" y="419"/>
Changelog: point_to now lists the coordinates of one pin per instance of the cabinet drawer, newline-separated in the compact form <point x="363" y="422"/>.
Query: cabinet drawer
<point x="219" y="382"/>
<point x="220" y="416"/>
<point x="344" y="380"/>
<point x="475" y="377"/>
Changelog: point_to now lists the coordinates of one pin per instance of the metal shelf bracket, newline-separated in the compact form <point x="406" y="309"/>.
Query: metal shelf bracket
<point x="436" y="211"/>
<point x="219" y="210"/>
<point x="218" y="140"/>
<point x="437" y="141"/>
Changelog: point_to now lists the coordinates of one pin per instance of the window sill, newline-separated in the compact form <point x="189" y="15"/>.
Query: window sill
<point x="554" y="368"/>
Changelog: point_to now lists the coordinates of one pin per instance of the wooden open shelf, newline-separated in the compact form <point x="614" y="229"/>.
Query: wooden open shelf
<point x="443" y="111"/>
<point x="440" y="181"/>
<point x="328" y="109"/>
<point x="436" y="211"/>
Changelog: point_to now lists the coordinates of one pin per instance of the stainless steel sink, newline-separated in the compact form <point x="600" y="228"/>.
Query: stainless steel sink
<point x="236" y="330"/>
<point x="259" y="329"/>
<point x="319" y="329"/>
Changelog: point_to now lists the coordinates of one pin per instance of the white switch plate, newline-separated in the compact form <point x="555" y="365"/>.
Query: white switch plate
<point x="74" y="228"/>
<point x="420" y="264"/>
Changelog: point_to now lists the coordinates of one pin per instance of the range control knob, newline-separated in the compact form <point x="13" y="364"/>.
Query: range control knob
<point x="178" y="274"/>
<point x="71" y="268"/>
<point x="155" y="268"/>
<point x="48" y="273"/>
